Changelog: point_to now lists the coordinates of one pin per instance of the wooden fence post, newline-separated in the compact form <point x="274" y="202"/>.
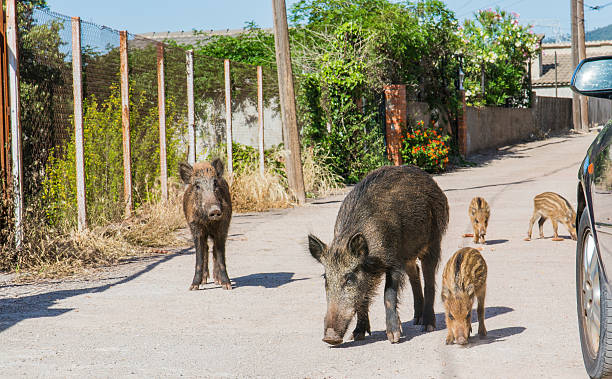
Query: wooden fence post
<point x="161" y="107"/>
<point x="260" y="111"/>
<point x="291" y="135"/>
<point x="13" y="77"/>
<point x="125" y="121"/>
<point x="77" y="91"/>
<point x="228" y="117"/>
<point x="190" y="109"/>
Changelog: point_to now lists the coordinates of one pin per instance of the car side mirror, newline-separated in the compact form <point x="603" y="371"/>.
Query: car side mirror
<point x="593" y="77"/>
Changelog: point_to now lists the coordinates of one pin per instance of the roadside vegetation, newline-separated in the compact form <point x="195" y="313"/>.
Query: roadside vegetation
<point x="344" y="53"/>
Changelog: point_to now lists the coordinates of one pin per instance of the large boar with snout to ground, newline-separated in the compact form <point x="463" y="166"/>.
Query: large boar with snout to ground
<point x="393" y="217"/>
<point x="208" y="209"/>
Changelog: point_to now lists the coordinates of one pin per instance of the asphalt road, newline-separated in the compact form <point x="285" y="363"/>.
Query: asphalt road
<point x="140" y="320"/>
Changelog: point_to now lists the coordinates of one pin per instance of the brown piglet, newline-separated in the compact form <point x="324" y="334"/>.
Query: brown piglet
<point x="464" y="278"/>
<point x="479" y="212"/>
<point x="554" y="206"/>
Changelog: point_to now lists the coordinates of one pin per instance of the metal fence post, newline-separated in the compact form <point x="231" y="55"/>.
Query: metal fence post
<point x="13" y="76"/>
<point x="161" y="106"/>
<point x="125" y="121"/>
<point x="190" y="109"/>
<point x="260" y="111"/>
<point x="228" y="117"/>
<point x="5" y="119"/>
<point x="78" y="122"/>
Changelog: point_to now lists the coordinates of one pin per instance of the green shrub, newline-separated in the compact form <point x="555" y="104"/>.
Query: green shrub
<point x="103" y="153"/>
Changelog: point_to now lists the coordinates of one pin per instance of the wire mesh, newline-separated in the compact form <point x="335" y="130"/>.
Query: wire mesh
<point x="46" y="105"/>
<point x="47" y="111"/>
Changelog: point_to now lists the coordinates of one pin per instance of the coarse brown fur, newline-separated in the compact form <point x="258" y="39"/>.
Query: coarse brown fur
<point x="393" y="217"/>
<point x="208" y="209"/>
<point x="479" y="213"/>
<point x="464" y="278"/>
<point x="554" y="206"/>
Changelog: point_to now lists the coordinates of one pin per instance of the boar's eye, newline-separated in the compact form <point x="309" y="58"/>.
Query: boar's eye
<point x="350" y="279"/>
<point x="468" y="316"/>
<point x="215" y="183"/>
<point x="450" y="316"/>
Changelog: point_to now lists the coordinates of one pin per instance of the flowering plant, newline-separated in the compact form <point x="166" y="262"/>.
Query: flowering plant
<point x="425" y="147"/>
<point x="497" y="48"/>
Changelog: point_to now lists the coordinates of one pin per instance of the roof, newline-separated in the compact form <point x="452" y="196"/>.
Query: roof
<point x="193" y="36"/>
<point x="565" y="67"/>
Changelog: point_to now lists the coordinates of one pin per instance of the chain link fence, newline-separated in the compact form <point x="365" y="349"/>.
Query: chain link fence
<point x="47" y="116"/>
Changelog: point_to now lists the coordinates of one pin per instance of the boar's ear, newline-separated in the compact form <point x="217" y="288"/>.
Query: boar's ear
<point x="470" y="290"/>
<point x="316" y="247"/>
<point x="218" y="165"/>
<point x="358" y="245"/>
<point x="185" y="171"/>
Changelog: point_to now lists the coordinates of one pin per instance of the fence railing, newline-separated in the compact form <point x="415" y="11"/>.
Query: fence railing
<point x="107" y="115"/>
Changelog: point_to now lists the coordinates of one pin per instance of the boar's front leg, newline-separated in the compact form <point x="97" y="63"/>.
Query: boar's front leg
<point x="414" y="276"/>
<point x="220" y="271"/>
<point x="201" y="253"/>
<point x="392" y="285"/>
<point x="363" y="323"/>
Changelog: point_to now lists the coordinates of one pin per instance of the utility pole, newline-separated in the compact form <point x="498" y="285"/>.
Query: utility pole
<point x="575" y="60"/>
<point x="291" y="136"/>
<point x="584" y="105"/>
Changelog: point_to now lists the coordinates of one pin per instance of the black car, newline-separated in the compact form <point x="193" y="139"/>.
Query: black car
<point x="593" y="77"/>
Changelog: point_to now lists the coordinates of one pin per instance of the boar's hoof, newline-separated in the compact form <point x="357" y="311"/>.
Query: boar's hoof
<point x="558" y="239"/>
<point x="394" y="336"/>
<point x="358" y="336"/>
<point x="428" y="328"/>
<point x="226" y="286"/>
<point x="417" y="320"/>
<point x="449" y="340"/>
<point x="194" y="287"/>
<point x="526" y="239"/>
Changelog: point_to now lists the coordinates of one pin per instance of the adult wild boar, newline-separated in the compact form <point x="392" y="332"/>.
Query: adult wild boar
<point x="208" y="209"/>
<point x="393" y="216"/>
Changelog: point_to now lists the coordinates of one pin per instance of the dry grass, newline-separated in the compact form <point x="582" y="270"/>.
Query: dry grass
<point x="319" y="180"/>
<point x="49" y="252"/>
<point x="253" y="192"/>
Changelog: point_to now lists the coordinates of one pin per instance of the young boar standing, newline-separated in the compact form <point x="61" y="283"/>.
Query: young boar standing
<point x="208" y="209"/>
<point x="464" y="277"/>
<point x="392" y="217"/>
<point x="479" y="212"/>
<point x="551" y="205"/>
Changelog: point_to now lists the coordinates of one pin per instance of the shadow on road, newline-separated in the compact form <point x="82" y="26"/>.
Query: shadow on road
<point x="496" y="242"/>
<point x="410" y="331"/>
<point x="495" y="335"/>
<point x="266" y="280"/>
<point x="15" y="310"/>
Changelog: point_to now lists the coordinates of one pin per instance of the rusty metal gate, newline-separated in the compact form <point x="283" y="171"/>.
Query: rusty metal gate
<point x="5" y="167"/>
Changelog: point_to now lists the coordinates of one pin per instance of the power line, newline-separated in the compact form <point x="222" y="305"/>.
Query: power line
<point x="598" y="7"/>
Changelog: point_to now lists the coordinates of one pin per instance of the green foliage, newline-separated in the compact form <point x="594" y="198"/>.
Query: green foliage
<point x="496" y="45"/>
<point x="246" y="157"/>
<point x="103" y="147"/>
<point x="425" y="147"/>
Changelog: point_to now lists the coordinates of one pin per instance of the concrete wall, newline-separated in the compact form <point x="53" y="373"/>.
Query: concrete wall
<point x="489" y="128"/>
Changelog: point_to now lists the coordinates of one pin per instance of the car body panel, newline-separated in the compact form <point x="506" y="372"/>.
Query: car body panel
<point x="596" y="182"/>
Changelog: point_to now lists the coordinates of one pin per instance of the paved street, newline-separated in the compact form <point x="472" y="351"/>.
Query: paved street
<point x="140" y="320"/>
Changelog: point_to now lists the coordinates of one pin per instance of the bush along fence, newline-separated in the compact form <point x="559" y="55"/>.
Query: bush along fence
<point x="100" y="118"/>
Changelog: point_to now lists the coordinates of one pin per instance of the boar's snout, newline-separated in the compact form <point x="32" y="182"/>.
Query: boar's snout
<point x="214" y="213"/>
<point x="462" y="340"/>
<point x="332" y="337"/>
